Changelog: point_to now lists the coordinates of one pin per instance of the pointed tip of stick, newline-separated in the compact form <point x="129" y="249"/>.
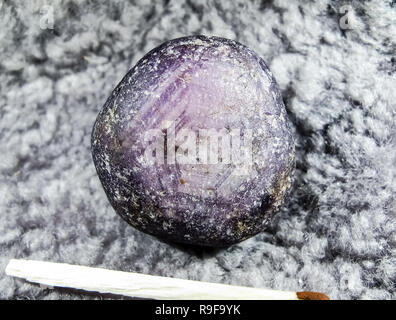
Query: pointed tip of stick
<point x="8" y="269"/>
<point x="310" y="295"/>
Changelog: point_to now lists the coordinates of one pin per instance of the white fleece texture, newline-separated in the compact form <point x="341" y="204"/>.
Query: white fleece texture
<point x="337" y="232"/>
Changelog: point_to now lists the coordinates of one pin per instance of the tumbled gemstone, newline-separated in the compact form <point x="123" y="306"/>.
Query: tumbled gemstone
<point x="194" y="144"/>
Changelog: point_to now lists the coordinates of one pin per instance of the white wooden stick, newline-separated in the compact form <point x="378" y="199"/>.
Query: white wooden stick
<point x="140" y="285"/>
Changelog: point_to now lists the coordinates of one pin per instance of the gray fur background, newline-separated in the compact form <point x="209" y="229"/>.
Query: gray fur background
<point x="336" y="234"/>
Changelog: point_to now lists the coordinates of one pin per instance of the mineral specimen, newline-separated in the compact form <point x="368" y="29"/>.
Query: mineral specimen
<point x="194" y="144"/>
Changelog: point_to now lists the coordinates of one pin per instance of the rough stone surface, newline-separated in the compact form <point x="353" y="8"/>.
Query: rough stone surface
<point x="193" y="94"/>
<point x="337" y="232"/>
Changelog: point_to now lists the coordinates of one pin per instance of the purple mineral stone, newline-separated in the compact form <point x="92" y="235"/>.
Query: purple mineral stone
<point x="194" y="144"/>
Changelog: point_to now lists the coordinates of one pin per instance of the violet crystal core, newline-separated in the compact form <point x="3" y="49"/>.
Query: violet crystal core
<point x="194" y="144"/>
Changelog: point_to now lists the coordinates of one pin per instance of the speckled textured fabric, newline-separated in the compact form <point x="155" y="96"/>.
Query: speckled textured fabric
<point x="188" y="94"/>
<point x="337" y="232"/>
